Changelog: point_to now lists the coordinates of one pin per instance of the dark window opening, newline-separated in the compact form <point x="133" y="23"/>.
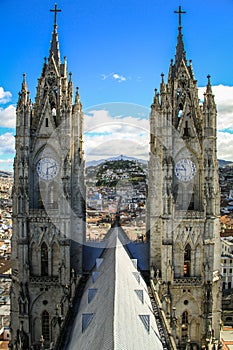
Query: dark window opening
<point x="184" y="326"/>
<point x="45" y="325"/>
<point x="44" y="259"/>
<point x="186" y="129"/>
<point x="52" y="197"/>
<point x="187" y="260"/>
<point x="191" y="203"/>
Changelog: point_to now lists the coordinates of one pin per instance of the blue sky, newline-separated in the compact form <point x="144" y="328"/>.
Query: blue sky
<point x="116" y="51"/>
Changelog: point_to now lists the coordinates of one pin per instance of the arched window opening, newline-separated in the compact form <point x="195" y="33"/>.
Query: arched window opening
<point x="55" y="259"/>
<point x="52" y="196"/>
<point x="34" y="260"/>
<point x="41" y="194"/>
<point x="44" y="259"/>
<point x="180" y="110"/>
<point x="54" y="112"/>
<point x="45" y="325"/>
<point x="184" y="326"/>
<point x="187" y="260"/>
<point x="191" y="192"/>
<point x="186" y="130"/>
<point x="179" y="197"/>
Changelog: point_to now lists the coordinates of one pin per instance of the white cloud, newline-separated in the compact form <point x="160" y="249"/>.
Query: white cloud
<point x="118" y="77"/>
<point x="115" y="76"/>
<point x="225" y="146"/>
<point x="8" y="117"/>
<point x="5" y="96"/>
<point x="107" y="136"/>
<point x="224" y="101"/>
<point x="7" y="143"/>
<point x="7" y="161"/>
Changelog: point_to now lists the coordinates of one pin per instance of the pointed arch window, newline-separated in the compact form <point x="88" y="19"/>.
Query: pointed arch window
<point x="187" y="260"/>
<point x="45" y="322"/>
<point x="186" y="129"/>
<point x="44" y="259"/>
<point x="179" y="196"/>
<point x="41" y="194"/>
<point x="52" y="196"/>
<point x="180" y="110"/>
<point x="34" y="259"/>
<point x="191" y="191"/>
<point x="184" y="326"/>
<point x="55" y="259"/>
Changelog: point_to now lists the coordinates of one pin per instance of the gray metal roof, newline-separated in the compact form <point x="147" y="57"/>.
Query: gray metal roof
<point x="115" y="312"/>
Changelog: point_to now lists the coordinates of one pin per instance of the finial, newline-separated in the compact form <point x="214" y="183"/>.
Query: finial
<point x="162" y="75"/>
<point x="77" y="98"/>
<point x="24" y="84"/>
<point x="208" y="88"/>
<point x="180" y="12"/>
<point x="55" y="10"/>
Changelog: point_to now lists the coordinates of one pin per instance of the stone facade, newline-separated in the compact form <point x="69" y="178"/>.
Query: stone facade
<point x="48" y="205"/>
<point x="183" y="208"/>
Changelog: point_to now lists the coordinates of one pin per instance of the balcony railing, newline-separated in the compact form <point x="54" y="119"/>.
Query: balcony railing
<point x="44" y="279"/>
<point x="189" y="214"/>
<point x="188" y="281"/>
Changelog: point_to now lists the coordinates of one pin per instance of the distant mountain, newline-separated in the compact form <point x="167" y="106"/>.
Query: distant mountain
<point x="120" y="157"/>
<point x="5" y="173"/>
<point x="223" y="163"/>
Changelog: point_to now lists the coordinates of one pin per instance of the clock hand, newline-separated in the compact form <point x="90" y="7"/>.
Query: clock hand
<point x="52" y="166"/>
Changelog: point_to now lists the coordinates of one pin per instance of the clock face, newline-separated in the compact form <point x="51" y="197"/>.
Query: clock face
<point x="185" y="170"/>
<point x="47" y="168"/>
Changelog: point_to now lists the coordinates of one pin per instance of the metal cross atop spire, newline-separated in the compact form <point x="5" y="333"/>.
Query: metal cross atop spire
<point x="55" y="10"/>
<point x="180" y="13"/>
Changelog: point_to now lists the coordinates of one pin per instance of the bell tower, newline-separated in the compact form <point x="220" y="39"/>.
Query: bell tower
<point x="48" y="204"/>
<point x="183" y="203"/>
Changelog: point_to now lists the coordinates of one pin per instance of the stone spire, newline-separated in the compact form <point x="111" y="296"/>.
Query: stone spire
<point x="209" y="87"/>
<point x="180" y="52"/>
<point x="54" y="48"/>
<point x="24" y="93"/>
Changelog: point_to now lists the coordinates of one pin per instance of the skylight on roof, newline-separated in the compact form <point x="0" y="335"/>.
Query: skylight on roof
<point x="137" y="276"/>
<point x="98" y="262"/>
<point x="95" y="275"/>
<point x="86" y="320"/>
<point x="91" y="293"/>
<point x="140" y="294"/>
<point x="135" y="263"/>
<point x="146" y="321"/>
